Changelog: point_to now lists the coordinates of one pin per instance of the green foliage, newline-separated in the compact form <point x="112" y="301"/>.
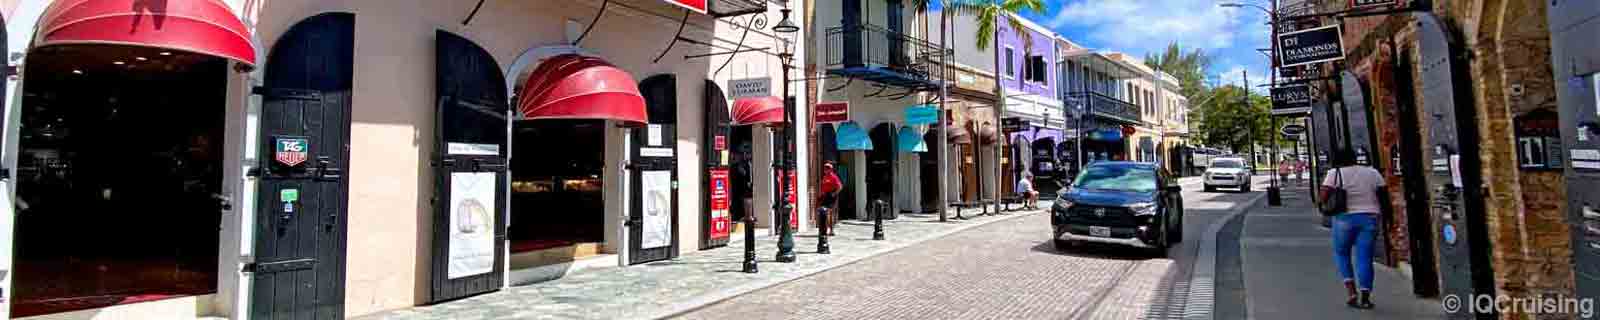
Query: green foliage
<point x="1226" y="120"/>
<point x="1189" y="67"/>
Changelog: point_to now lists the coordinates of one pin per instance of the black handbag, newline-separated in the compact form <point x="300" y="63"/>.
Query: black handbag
<point x="1335" y="204"/>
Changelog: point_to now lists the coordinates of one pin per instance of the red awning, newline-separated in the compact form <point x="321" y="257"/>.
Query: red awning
<point x="199" y="26"/>
<point x="571" y="86"/>
<point x="757" y="110"/>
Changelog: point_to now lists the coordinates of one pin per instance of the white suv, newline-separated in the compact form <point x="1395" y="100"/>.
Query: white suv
<point x="1227" y="172"/>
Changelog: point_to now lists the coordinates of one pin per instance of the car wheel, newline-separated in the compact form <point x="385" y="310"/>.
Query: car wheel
<point x="1245" y="187"/>
<point x="1062" y="245"/>
<point x="1177" y="235"/>
<point x="1210" y="188"/>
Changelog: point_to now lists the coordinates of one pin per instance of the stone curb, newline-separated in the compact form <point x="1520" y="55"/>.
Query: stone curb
<point x="1202" y="297"/>
<point x="696" y="303"/>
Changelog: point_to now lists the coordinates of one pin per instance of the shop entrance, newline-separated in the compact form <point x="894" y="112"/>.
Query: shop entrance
<point x="302" y="197"/>
<point x="880" y="167"/>
<point x="118" y="177"/>
<point x="557" y="211"/>
<point x="470" y="160"/>
<point x="653" y="216"/>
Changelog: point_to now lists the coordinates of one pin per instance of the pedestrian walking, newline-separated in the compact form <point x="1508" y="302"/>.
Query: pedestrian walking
<point x="830" y="197"/>
<point x="1355" y="229"/>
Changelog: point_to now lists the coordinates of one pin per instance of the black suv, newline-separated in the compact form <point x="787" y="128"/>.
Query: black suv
<point x="1126" y="203"/>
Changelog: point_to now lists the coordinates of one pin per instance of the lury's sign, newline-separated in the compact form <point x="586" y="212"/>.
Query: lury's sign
<point x="1291" y="100"/>
<point x="1310" y="46"/>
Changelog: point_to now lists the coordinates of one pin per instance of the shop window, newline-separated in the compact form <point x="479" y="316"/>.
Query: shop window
<point x="1011" y="63"/>
<point x="118" y="178"/>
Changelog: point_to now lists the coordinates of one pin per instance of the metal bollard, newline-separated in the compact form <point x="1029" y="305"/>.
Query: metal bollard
<point x="879" y="208"/>
<point x="822" y="230"/>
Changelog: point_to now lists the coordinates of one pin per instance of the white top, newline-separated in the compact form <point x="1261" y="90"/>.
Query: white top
<point x="1024" y="185"/>
<point x="1360" y="185"/>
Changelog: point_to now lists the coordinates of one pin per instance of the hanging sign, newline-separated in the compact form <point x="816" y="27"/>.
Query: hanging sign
<point x="1291" y="100"/>
<point x="1013" y="124"/>
<point x="291" y="151"/>
<point x="833" y="111"/>
<point x="721" y="221"/>
<point x="1311" y="46"/>
<point x="698" y="6"/>
<point x="1293" y="129"/>
<point x="752" y="87"/>
<point x="1363" y="4"/>
<point x="922" y="115"/>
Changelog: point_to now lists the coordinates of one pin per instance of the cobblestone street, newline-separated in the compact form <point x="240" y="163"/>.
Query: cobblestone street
<point x="1005" y="270"/>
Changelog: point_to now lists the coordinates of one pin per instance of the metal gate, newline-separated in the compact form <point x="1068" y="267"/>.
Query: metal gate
<point x="1454" y="181"/>
<point x="303" y="194"/>
<point x="715" y="218"/>
<point x="470" y="171"/>
<point x="653" y="216"/>
<point x="1576" y="58"/>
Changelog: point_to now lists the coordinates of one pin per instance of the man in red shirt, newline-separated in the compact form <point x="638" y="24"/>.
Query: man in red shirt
<point x="830" y="197"/>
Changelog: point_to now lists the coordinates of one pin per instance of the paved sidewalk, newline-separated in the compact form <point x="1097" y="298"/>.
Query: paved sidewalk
<point x="1289" y="272"/>
<point x="695" y="279"/>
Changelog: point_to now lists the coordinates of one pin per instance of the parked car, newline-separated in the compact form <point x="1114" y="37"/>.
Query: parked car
<point x="1123" y="203"/>
<point x="1228" y="172"/>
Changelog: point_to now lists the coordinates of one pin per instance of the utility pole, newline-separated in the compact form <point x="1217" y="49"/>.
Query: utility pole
<point x="1274" y="192"/>
<point x="944" y="117"/>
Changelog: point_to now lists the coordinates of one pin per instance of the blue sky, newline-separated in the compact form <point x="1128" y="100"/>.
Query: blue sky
<point x="1230" y="35"/>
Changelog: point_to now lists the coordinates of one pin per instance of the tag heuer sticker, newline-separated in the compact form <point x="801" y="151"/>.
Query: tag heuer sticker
<point x="291" y="151"/>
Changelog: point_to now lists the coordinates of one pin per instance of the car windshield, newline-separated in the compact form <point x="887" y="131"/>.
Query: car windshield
<point x="1117" y="178"/>
<point x="1227" y="164"/>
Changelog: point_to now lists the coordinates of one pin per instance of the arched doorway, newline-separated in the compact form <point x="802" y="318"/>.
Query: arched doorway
<point x="1045" y="166"/>
<point x="880" y="167"/>
<point x="928" y="165"/>
<point x="305" y="107"/>
<point x="716" y="221"/>
<point x="471" y="150"/>
<point x="654" y="201"/>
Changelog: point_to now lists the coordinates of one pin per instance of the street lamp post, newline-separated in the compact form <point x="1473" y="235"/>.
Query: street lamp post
<point x="1274" y="194"/>
<point x="784" y="162"/>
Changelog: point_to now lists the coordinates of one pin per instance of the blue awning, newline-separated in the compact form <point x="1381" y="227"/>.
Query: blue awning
<point x="1107" y="135"/>
<point x="911" y="140"/>
<point x="850" y="136"/>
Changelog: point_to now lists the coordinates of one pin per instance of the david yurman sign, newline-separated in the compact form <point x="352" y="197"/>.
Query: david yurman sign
<point x="1311" y="46"/>
<point x="753" y="87"/>
<point x="1291" y="100"/>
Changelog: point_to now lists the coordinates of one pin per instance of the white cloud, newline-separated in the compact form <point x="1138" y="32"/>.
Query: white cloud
<point x="1140" y="26"/>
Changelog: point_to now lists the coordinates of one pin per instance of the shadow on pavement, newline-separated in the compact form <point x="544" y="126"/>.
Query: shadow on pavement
<point x="1096" y="251"/>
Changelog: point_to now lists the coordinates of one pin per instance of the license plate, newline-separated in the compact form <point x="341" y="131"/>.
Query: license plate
<point x="1100" y="231"/>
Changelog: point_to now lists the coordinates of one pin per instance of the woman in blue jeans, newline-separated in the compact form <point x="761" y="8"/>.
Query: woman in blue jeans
<point x="1355" y="230"/>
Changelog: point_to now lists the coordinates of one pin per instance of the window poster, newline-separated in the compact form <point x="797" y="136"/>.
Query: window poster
<point x="471" y="223"/>
<point x="721" y="221"/>
<point x="657" y="206"/>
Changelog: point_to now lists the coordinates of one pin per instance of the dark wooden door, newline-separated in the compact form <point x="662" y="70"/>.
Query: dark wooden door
<point x="881" y="166"/>
<point x="1419" y="224"/>
<point x="1454" y="182"/>
<point x="715" y="218"/>
<point x="303" y="194"/>
<point x="653" y="201"/>
<point x="1576" y="56"/>
<point x="471" y="173"/>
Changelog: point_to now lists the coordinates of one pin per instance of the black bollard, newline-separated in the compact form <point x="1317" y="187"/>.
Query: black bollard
<point x="822" y="231"/>
<point x="879" y="209"/>
<point x="749" y="243"/>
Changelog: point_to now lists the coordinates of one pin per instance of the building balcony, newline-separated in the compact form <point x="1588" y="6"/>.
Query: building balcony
<point x="1106" y="107"/>
<point x="877" y="54"/>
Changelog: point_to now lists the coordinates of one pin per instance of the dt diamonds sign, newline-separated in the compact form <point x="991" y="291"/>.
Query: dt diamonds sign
<point x="1310" y="46"/>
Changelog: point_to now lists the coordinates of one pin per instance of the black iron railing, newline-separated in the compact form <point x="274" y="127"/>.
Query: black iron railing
<point x="1104" y="106"/>
<point x="863" y="45"/>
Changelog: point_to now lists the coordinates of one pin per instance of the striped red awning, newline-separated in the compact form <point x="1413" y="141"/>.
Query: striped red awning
<point x="198" y="26"/>
<point x="757" y="110"/>
<point x="572" y="86"/>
